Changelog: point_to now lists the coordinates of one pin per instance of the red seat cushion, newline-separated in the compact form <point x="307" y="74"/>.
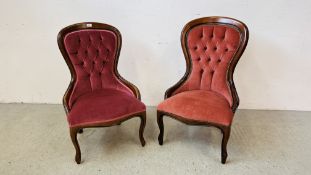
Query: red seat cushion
<point x="199" y="105"/>
<point x="102" y="106"/>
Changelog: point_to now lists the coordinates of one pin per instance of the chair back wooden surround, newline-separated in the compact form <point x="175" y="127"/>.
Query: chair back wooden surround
<point x="212" y="47"/>
<point x="91" y="51"/>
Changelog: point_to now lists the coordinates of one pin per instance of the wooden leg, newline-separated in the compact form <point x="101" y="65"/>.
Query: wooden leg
<point x="80" y="131"/>
<point x="74" y="139"/>
<point x="141" y="129"/>
<point x="161" y="127"/>
<point x="225" y="138"/>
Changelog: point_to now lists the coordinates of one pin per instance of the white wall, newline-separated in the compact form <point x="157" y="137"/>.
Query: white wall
<point x="274" y="72"/>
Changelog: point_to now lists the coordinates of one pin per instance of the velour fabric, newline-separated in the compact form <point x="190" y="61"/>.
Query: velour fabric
<point x="199" y="105"/>
<point x="93" y="53"/>
<point x="102" y="106"/>
<point x="211" y="48"/>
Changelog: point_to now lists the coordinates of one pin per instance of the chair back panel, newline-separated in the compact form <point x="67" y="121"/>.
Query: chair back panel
<point x="92" y="53"/>
<point x="211" y="48"/>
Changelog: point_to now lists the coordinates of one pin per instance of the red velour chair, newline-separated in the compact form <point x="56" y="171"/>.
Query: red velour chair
<point x="97" y="95"/>
<point x="206" y="95"/>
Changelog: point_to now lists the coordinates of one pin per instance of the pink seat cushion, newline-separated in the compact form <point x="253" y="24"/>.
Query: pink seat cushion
<point x="102" y="106"/>
<point x="199" y="105"/>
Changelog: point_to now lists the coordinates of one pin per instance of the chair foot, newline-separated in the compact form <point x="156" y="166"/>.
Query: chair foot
<point x="161" y="127"/>
<point x="142" y="128"/>
<point x="74" y="139"/>
<point x="225" y="138"/>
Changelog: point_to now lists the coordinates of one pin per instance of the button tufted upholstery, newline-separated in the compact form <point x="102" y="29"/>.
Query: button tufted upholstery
<point x="211" y="49"/>
<point x="93" y="53"/>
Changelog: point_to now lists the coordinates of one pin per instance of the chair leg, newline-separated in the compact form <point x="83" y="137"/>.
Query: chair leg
<point x="142" y="128"/>
<point x="161" y="127"/>
<point x="225" y="138"/>
<point x="80" y="131"/>
<point x="74" y="139"/>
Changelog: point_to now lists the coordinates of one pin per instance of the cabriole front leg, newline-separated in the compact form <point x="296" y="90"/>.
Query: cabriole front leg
<point x="74" y="139"/>
<point x="225" y="138"/>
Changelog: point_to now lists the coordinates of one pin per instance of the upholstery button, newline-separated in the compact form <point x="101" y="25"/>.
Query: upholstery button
<point x="209" y="59"/>
<point x="195" y="48"/>
<point x="201" y="36"/>
<point x="211" y="36"/>
<point x="212" y="72"/>
<point x="199" y="58"/>
<point x="215" y="48"/>
<point x="226" y="49"/>
<point x="219" y="60"/>
<point x="205" y="47"/>
<point x="201" y="71"/>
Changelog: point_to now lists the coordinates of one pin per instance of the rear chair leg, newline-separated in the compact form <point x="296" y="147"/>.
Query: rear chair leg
<point x="161" y="126"/>
<point x="73" y="135"/>
<point x="80" y="131"/>
<point x="141" y="128"/>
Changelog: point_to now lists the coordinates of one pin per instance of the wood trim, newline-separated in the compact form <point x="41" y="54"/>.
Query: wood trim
<point x="190" y="121"/>
<point x="110" y="123"/>
<point x="85" y="26"/>
<point x="244" y="34"/>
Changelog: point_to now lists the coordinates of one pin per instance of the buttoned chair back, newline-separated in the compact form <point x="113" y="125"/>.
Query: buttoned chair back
<point x="212" y="48"/>
<point x="92" y="52"/>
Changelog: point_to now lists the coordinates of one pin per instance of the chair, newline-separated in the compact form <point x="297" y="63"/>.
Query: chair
<point x="206" y="94"/>
<point x="97" y="95"/>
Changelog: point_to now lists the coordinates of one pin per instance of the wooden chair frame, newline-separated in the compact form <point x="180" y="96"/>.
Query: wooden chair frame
<point x="215" y="20"/>
<point x="79" y="129"/>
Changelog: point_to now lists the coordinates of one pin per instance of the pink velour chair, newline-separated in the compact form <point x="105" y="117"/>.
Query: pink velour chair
<point x="97" y="95"/>
<point x="206" y="95"/>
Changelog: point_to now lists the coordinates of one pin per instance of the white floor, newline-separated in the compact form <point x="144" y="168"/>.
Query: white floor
<point x="35" y="140"/>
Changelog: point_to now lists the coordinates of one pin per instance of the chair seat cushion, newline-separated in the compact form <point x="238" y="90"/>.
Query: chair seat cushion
<point x="102" y="106"/>
<point x="199" y="105"/>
